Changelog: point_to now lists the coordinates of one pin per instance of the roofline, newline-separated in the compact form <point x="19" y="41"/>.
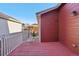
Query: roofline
<point x="6" y="17"/>
<point x="47" y="10"/>
<point x="38" y="14"/>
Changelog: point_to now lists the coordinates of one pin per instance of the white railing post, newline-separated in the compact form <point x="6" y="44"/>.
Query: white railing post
<point x="2" y="45"/>
<point x="2" y="51"/>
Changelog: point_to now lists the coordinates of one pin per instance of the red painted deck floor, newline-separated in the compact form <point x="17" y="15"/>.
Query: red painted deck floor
<point x="42" y="49"/>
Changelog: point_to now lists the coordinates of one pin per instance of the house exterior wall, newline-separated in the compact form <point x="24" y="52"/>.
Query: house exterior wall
<point x="48" y="26"/>
<point x="7" y="27"/>
<point x="69" y="26"/>
<point x="14" y="27"/>
<point x="3" y="27"/>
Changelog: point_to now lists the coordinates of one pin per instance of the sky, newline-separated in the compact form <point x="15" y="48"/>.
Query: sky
<point x="25" y="12"/>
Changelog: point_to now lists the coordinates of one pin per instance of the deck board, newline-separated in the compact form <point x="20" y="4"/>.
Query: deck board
<point x="42" y="49"/>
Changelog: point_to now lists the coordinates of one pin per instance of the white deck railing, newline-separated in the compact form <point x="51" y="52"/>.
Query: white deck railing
<point x="10" y="41"/>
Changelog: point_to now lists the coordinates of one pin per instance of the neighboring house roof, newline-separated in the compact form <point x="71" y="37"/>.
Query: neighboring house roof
<point x="47" y="10"/>
<point x="6" y="17"/>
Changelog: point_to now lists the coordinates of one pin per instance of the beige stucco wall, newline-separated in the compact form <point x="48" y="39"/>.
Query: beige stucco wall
<point x="14" y="27"/>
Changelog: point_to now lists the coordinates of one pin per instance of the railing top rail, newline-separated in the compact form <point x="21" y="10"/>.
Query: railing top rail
<point x="10" y="34"/>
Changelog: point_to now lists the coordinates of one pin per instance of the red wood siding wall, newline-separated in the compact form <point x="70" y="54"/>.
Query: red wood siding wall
<point x="49" y="26"/>
<point x="69" y="26"/>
